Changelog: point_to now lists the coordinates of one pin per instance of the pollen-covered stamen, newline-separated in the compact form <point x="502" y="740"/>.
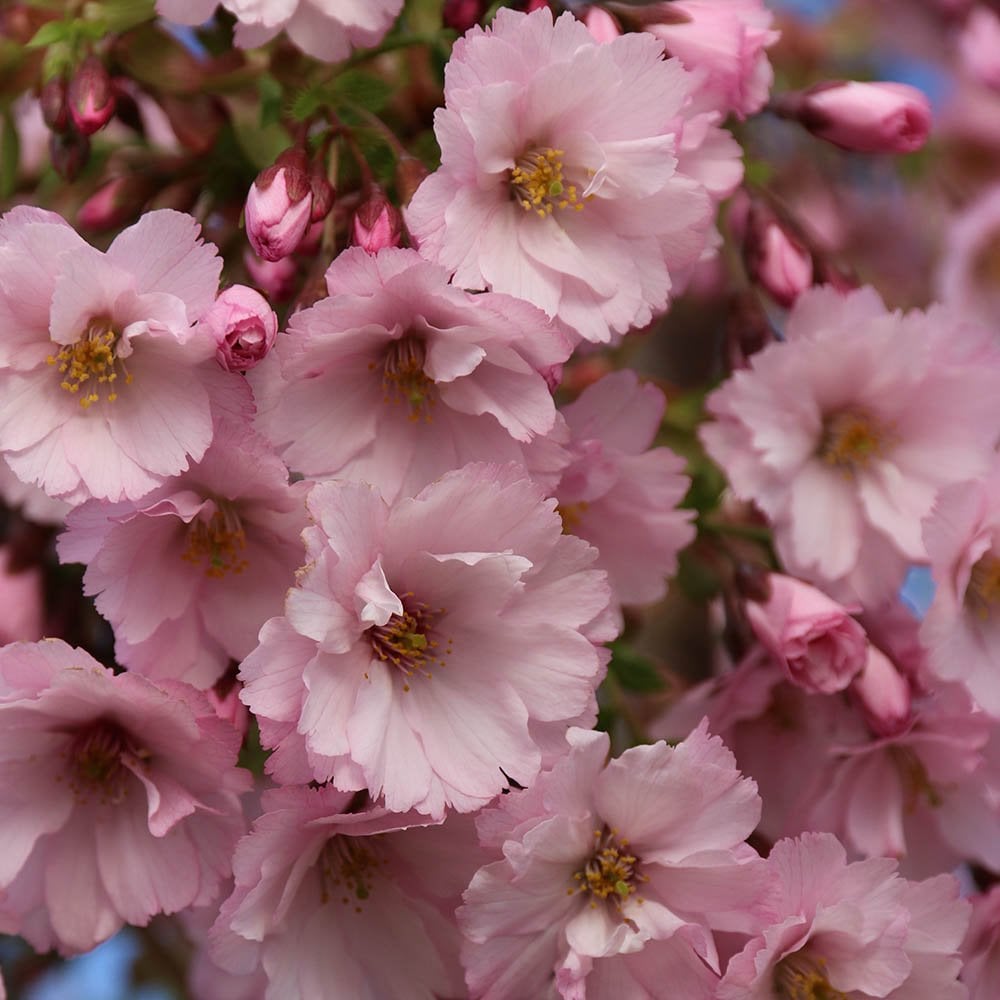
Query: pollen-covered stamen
<point x="348" y="867"/>
<point x="403" y="378"/>
<point x="611" y="872"/>
<point x="538" y="184"/>
<point x="914" y="778"/>
<point x="91" y="367"/>
<point x="571" y="514"/>
<point x="410" y="641"/>
<point x="94" y="763"/>
<point x="982" y="595"/>
<point x="850" y="440"/>
<point x="217" y="540"/>
<point x="799" y="976"/>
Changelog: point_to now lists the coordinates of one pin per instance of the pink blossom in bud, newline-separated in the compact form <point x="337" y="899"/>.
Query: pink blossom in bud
<point x="981" y="947"/>
<point x="54" y="104"/>
<point x="850" y="930"/>
<point x="593" y="197"/>
<point x="21" y="601"/>
<point x="244" y="327"/>
<point x="723" y="43"/>
<point x="460" y="15"/>
<point x="116" y="202"/>
<point x="621" y="494"/>
<point x="820" y="645"/>
<point x="775" y="259"/>
<point x="864" y="117"/>
<point x="611" y="875"/>
<point x="883" y="694"/>
<point x="377" y="224"/>
<point x="431" y="648"/>
<point x="979" y="46"/>
<point x="277" y="278"/>
<point x="887" y="409"/>
<point x="323" y="194"/>
<point x="962" y="626"/>
<point x="69" y="152"/>
<point x="278" y="211"/>
<point x="107" y="386"/>
<point x="120" y="797"/>
<point x="602" y="25"/>
<point x="90" y="96"/>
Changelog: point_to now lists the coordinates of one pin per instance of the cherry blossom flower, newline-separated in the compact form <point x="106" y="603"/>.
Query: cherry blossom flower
<point x="722" y="42"/>
<point x="188" y="574"/>
<point x="850" y="930"/>
<point x="565" y="177"/>
<point x="962" y="626"/>
<point x="121" y="797"/>
<point x="107" y="386"/>
<point x="430" y="646"/>
<point x="981" y="971"/>
<point x="33" y="504"/>
<point x="398" y="377"/>
<point x="614" y="873"/>
<point x="888" y="409"/>
<point x="618" y="493"/>
<point x="323" y="29"/>
<point x="970" y="260"/>
<point x="327" y="893"/>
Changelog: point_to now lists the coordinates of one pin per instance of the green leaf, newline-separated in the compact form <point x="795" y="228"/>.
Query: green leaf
<point x="633" y="671"/>
<point x="51" y="32"/>
<point x="310" y="100"/>
<point x="271" y="97"/>
<point x="10" y="149"/>
<point x="261" y="145"/>
<point x="363" y="89"/>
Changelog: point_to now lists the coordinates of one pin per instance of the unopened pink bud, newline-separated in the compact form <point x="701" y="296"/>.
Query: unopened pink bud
<point x="322" y="195"/>
<point x="377" y="224"/>
<point x="114" y="203"/>
<point x="863" y="117"/>
<point x="278" y="278"/>
<point x="602" y="25"/>
<point x="775" y="259"/>
<point x="69" y="152"/>
<point x="54" y="104"/>
<point x="883" y="694"/>
<point x="244" y="327"/>
<point x="278" y="210"/>
<point x="91" y="96"/>
<point x="460" y="15"/>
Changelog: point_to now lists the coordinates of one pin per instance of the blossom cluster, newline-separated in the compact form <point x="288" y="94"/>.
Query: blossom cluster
<point x="364" y="581"/>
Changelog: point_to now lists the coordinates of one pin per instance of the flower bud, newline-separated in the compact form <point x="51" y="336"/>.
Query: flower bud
<point x="279" y="206"/>
<point x="69" y="152"/>
<point x="91" y="96"/>
<point x="774" y="258"/>
<point x="377" y="223"/>
<point x="863" y="117"/>
<point x="883" y="694"/>
<point x="54" y="104"/>
<point x="602" y="25"/>
<point x="323" y="194"/>
<point x="277" y="278"/>
<point x="244" y="327"/>
<point x="116" y="202"/>
<point x="460" y="15"/>
<point x="820" y="645"/>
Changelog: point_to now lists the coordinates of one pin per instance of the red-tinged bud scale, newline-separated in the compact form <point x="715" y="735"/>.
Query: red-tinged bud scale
<point x="91" y="96"/>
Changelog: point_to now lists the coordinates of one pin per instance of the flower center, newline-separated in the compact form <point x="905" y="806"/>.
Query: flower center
<point x="611" y="872"/>
<point x="538" y="185"/>
<point x="217" y="541"/>
<point x="802" y="977"/>
<point x="409" y="641"/>
<point x="403" y="378"/>
<point x="572" y="514"/>
<point x="93" y="363"/>
<point x="982" y="595"/>
<point x="916" y="781"/>
<point x="850" y="440"/>
<point x="95" y="766"/>
<point x="347" y="868"/>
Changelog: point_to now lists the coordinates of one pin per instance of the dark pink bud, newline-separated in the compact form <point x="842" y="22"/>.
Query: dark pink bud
<point x="69" y="152"/>
<point x="278" y="209"/>
<point x="91" y="96"/>
<point x="377" y="224"/>
<point x="323" y="194"/>
<point x="116" y="202"/>
<point x="54" y="104"/>
<point x="775" y="259"/>
<point x="460" y="15"/>
<point x="863" y="117"/>
<point x="883" y="694"/>
<point x="244" y="328"/>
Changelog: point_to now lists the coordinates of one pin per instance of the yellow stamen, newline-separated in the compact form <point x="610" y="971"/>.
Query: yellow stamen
<point x="92" y="362"/>
<point x="572" y="514"/>
<point x="409" y="641"/>
<point x="801" y="977"/>
<point x="218" y="541"/>
<point x="982" y="595"/>
<point x="403" y="378"/>
<point x="850" y="440"/>
<point x="348" y="867"/>
<point x="611" y="872"/>
<point x="538" y="184"/>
